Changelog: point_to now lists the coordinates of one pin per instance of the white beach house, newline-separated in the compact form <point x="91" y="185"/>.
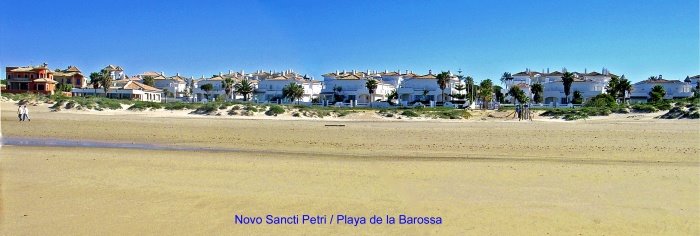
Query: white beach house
<point x="270" y="87"/>
<point x="588" y="84"/>
<point x="424" y="88"/>
<point x="351" y="86"/>
<point x="116" y="72"/>
<point x="174" y="84"/>
<point x="123" y="89"/>
<point x="673" y="89"/>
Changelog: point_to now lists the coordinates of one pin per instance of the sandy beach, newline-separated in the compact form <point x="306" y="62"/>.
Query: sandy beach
<point x="612" y="176"/>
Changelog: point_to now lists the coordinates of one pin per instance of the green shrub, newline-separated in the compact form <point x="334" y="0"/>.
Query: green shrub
<point x="453" y="114"/>
<point x="296" y="114"/>
<point x="681" y="103"/>
<point x="621" y="110"/>
<point x="645" y="107"/>
<point x="602" y="100"/>
<point x="274" y="110"/>
<point x="236" y="107"/>
<point x="575" y="116"/>
<point x="180" y="106"/>
<point x="662" y="105"/>
<point x="70" y="105"/>
<point x="207" y="108"/>
<point x="595" y="111"/>
<point x="58" y="105"/>
<point x="322" y="113"/>
<point x="109" y="104"/>
<point x="694" y="115"/>
<point x="577" y="113"/>
<point x="409" y="113"/>
<point x="251" y="108"/>
<point x="142" y="105"/>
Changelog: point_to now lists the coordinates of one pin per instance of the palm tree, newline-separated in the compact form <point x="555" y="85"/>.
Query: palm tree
<point x="148" y="80"/>
<point x="567" y="79"/>
<point x="469" y="81"/>
<point x="392" y="95"/>
<point x="613" y="86"/>
<point x="498" y="92"/>
<point x="486" y="92"/>
<point x="293" y="91"/>
<point x="95" y="78"/>
<point x="577" y="98"/>
<point x="537" y="91"/>
<point x="514" y="92"/>
<point x="106" y="81"/>
<point x="336" y="93"/>
<point x="228" y="84"/>
<point x="371" y="85"/>
<point x="206" y="88"/>
<point x="505" y="77"/>
<point x="244" y="88"/>
<point x="442" y="80"/>
<point x="624" y="86"/>
<point x="657" y="93"/>
<point x="518" y="95"/>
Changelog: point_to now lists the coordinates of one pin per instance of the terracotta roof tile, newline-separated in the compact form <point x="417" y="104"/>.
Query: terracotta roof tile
<point x="135" y="85"/>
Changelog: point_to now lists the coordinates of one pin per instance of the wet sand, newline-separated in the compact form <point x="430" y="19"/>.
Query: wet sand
<point x="596" y="177"/>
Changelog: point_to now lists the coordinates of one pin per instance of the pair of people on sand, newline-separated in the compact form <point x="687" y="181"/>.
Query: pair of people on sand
<point x="23" y="113"/>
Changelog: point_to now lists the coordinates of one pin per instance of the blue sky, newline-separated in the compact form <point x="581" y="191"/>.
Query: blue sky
<point x="483" y="38"/>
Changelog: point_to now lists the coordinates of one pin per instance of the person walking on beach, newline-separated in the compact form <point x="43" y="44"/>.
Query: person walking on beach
<point x="20" y="113"/>
<point x="26" y="114"/>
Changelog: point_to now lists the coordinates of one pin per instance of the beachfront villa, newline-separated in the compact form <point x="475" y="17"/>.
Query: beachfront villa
<point x="71" y="75"/>
<point x="270" y="87"/>
<point x="123" y="89"/>
<point x="351" y="87"/>
<point x="588" y="84"/>
<point x="424" y="88"/>
<point x="30" y="79"/>
<point x="116" y="72"/>
<point x="218" y="89"/>
<point x="173" y="85"/>
<point x="674" y="88"/>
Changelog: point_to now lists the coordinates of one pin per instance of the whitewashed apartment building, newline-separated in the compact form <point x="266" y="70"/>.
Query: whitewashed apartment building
<point x="589" y="84"/>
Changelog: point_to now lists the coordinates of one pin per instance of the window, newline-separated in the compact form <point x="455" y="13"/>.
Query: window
<point x="40" y="87"/>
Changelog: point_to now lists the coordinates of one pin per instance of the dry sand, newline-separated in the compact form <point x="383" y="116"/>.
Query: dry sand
<point x="611" y="177"/>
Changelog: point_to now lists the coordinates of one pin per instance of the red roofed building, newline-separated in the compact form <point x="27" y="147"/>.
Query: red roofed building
<point x="30" y="79"/>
